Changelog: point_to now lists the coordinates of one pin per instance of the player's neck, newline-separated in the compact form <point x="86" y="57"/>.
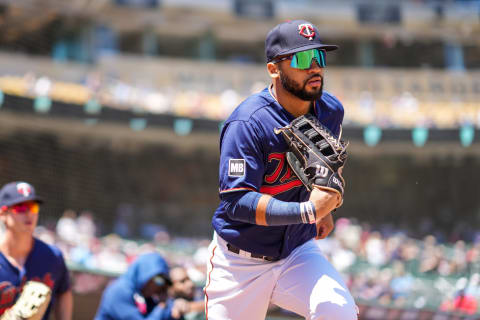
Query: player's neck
<point x="16" y="246"/>
<point x="289" y="102"/>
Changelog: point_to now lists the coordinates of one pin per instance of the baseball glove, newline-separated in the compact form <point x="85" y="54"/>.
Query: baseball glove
<point x="316" y="155"/>
<point x="31" y="304"/>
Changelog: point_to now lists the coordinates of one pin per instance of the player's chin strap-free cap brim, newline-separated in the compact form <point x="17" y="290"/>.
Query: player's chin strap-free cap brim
<point x="326" y="47"/>
<point x="24" y="199"/>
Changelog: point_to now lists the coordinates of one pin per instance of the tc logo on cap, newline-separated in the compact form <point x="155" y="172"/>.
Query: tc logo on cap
<point x="24" y="189"/>
<point x="306" y="30"/>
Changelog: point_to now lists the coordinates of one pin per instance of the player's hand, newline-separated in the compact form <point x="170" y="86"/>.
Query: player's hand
<point x="324" y="226"/>
<point x="325" y="201"/>
<point x="179" y="308"/>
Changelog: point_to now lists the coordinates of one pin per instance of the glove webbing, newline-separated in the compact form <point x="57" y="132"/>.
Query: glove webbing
<point x="317" y="139"/>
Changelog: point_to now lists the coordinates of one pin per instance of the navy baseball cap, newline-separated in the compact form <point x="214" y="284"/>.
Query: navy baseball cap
<point x="293" y="36"/>
<point x="17" y="192"/>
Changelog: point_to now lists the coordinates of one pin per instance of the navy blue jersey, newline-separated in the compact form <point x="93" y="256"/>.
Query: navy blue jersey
<point x="44" y="264"/>
<point x="252" y="158"/>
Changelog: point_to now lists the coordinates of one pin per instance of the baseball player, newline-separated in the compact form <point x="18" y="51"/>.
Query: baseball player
<point x="263" y="250"/>
<point x="24" y="258"/>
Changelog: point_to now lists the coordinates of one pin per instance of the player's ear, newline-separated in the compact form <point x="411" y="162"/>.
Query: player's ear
<point x="272" y="69"/>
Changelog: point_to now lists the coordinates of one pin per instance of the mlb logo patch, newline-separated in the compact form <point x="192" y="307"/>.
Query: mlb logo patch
<point x="236" y="167"/>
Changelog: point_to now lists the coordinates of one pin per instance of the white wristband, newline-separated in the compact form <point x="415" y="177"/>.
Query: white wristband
<point x="307" y="211"/>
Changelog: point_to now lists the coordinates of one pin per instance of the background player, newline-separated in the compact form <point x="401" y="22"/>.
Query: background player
<point x="262" y="249"/>
<point x="23" y="257"/>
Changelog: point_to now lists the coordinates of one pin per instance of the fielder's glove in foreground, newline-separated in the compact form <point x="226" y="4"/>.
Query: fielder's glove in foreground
<point x="316" y="155"/>
<point x="31" y="304"/>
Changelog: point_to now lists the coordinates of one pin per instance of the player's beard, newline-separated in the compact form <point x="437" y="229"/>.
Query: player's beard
<point x="300" y="91"/>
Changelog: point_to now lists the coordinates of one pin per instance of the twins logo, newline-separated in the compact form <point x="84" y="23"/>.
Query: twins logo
<point x="24" y="189"/>
<point x="279" y="177"/>
<point x="306" y="30"/>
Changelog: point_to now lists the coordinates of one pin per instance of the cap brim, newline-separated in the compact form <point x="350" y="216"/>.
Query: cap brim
<point x="326" y="47"/>
<point x="25" y="199"/>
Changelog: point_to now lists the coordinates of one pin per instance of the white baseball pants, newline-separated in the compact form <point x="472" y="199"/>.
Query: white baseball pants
<point x="239" y="287"/>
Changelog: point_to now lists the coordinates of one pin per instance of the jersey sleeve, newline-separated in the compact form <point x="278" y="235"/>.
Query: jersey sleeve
<point x="241" y="158"/>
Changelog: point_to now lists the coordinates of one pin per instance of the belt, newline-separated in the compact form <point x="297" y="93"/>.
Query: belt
<point x="249" y="254"/>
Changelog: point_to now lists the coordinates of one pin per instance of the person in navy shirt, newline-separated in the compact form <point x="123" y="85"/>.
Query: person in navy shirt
<point x="263" y="249"/>
<point x="142" y="293"/>
<point x="24" y="258"/>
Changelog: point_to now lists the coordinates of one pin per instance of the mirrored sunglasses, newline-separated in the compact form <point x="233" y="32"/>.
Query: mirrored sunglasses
<point x="24" y="207"/>
<point x="303" y="60"/>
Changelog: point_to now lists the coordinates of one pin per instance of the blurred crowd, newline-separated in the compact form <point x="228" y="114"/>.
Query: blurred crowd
<point x="97" y="90"/>
<point x="93" y="259"/>
<point x="432" y="101"/>
<point x="393" y="269"/>
<point x="383" y="265"/>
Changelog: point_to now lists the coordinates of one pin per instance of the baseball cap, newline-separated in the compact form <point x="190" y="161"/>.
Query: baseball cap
<point x="293" y="36"/>
<point x="17" y="192"/>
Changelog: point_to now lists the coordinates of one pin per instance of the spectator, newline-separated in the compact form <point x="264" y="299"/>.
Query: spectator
<point x="141" y="293"/>
<point x="184" y="288"/>
<point x="42" y="86"/>
<point x="401" y="284"/>
<point x="462" y="302"/>
<point x="67" y="226"/>
<point x="375" y="249"/>
<point x="85" y="225"/>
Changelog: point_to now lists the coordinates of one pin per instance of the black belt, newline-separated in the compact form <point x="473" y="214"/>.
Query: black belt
<point x="253" y="255"/>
